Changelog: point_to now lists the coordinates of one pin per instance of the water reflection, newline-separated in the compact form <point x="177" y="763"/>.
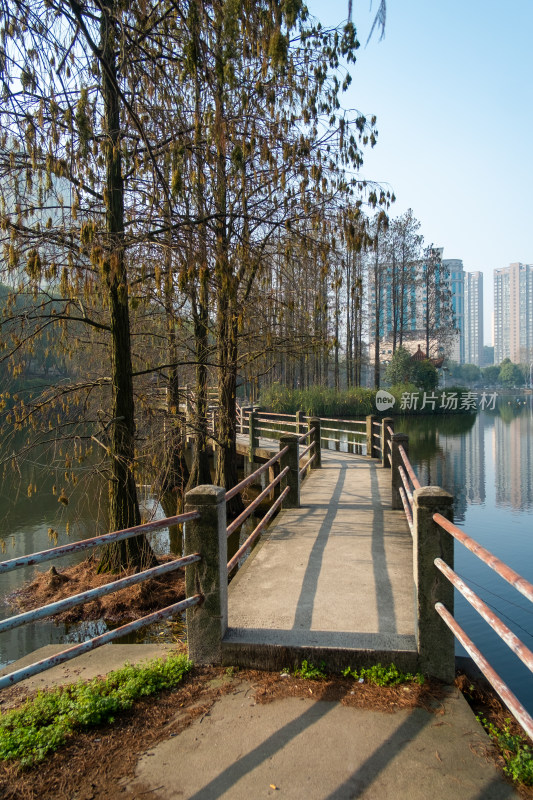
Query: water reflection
<point x="462" y="453"/>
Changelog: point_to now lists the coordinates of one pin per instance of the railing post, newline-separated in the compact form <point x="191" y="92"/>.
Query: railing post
<point x="291" y="459"/>
<point x="370" y="448"/>
<point x="436" y="644"/>
<point x="397" y="439"/>
<point x="299" y="422"/>
<point x="245" y="412"/>
<point x="314" y="422"/>
<point x="386" y="422"/>
<point x="207" y="622"/>
<point x="253" y="438"/>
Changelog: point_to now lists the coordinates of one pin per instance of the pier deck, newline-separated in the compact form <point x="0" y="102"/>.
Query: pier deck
<point x="331" y="579"/>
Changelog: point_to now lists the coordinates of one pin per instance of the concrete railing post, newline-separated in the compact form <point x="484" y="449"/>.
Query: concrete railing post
<point x="386" y="422"/>
<point x="245" y="411"/>
<point x="436" y="643"/>
<point x="253" y="436"/>
<point x="207" y="623"/>
<point x="314" y="422"/>
<point x="397" y="439"/>
<point x="291" y="459"/>
<point x="370" y="446"/>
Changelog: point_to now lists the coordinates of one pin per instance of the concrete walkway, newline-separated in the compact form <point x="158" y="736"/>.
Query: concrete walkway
<point x="332" y="580"/>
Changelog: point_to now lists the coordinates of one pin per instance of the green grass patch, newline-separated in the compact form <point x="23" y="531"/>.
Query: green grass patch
<point x="383" y="676"/>
<point x="377" y="674"/>
<point x="45" y="722"/>
<point x="312" y="673"/>
<point x="517" y="754"/>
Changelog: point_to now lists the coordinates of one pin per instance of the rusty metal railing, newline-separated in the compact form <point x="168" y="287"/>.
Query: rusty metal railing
<point x="523" y="586"/>
<point x="97" y="641"/>
<point x="250" y="508"/>
<point x="408" y="497"/>
<point x="95" y="541"/>
<point x="358" y="436"/>
<point x="409" y="468"/>
<point x="307" y="464"/>
<point x="500" y="628"/>
<point x="251" y="478"/>
<point x="237" y="522"/>
<point x="306" y="435"/>
<point x="75" y="600"/>
<point x="511" y="701"/>
<point x="492" y="561"/>
<point x="232" y="563"/>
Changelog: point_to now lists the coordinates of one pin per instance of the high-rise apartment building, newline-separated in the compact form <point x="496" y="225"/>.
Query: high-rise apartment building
<point x="473" y="318"/>
<point x="467" y="303"/>
<point x="454" y="268"/>
<point x="513" y="313"/>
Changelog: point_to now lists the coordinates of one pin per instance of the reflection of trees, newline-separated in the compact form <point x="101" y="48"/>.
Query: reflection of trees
<point x="512" y="408"/>
<point x="437" y="448"/>
<point x="424" y="432"/>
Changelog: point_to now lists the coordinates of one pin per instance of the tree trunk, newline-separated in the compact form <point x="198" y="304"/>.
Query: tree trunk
<point x="200" y="472"/>
<point x="123" y="504"/>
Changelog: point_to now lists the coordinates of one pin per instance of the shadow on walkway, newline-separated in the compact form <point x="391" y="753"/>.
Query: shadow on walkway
<point x="304" y="607"/>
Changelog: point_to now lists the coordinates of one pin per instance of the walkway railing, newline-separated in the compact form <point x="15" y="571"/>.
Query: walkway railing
<point x="92" y="594"/>
<point x="289" y="463"/>
<point x="270" y="425"/>
<point x="286" y="461"/>
<point x="232" y="527"/>
<point x="305" y="464"/>
<point x="433" y="529"/>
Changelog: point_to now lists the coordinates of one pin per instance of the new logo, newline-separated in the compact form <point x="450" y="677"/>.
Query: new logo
<point x="384" y="400"/>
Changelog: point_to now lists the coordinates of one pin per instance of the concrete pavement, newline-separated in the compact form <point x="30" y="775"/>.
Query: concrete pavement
<point x="303" y="749"/>
<point x="307" y="749"/>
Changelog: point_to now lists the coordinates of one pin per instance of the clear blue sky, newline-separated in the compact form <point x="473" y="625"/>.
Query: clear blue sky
<point x="452" y="87"/>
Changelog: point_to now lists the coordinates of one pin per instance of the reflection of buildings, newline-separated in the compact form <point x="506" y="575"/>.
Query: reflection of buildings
<point x="459" y="466"/>
<point x="513" y="459"/>
<point x="475" y="462"/>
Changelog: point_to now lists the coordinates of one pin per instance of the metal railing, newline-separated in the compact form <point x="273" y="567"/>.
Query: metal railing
<point x="250" y="508"/>
<point x="409" y="500"/>
<point x="410" y="483"/>
<point x="92" y="594"/>
<point x="307" y="463"/>
<point x="513" y="642"/>
<point x="293" y="480"/>
<point x="358" y="437"/>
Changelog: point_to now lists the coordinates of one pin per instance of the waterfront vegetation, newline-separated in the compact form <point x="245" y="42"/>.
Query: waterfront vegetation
<point x="46" y="722"/>
<point x="357" y="402"/>
<point x="516" y="753"/>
